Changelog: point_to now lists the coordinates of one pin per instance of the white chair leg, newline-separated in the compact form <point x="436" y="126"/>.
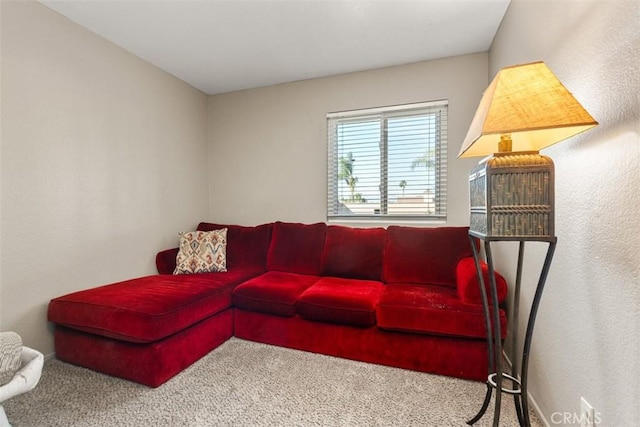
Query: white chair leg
<point x="4" y="422"/>
<point x="24" y="380"/>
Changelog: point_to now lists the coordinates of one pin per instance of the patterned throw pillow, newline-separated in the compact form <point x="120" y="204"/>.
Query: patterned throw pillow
<point x="202" y="252"/>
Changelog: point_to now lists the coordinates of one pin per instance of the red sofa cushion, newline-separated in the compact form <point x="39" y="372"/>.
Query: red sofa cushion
<point x="431" y="310"/>
<point x="468" y="284"/>
<point x="148" y="308"/>
<point x="274" y="292"/>
<point x="296" y="248"/>
<point x="424" y="255"/>
<point x="246" y="246"/>
<point x="353" y="252"/>
<point x="339" y="300"/>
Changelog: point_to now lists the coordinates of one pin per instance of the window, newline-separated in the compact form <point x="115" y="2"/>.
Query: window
<point x="388" y="162"/>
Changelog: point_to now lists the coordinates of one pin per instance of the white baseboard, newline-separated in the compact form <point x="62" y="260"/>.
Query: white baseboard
<point x="536" y="410"/>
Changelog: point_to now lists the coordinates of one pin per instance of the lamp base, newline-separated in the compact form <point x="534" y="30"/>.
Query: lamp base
<point x="512" y="195"/>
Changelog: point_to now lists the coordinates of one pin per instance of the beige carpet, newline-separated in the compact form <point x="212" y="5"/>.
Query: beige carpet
<point x="242" y="383"/>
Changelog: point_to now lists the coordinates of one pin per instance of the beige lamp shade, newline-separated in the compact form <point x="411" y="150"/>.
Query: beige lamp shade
<point x="529" y="103"/>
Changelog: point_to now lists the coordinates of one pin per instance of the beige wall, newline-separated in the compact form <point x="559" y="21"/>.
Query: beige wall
<point x="269" y="145"/>
<point x="104" y="160"/>
<point x="587" y="336"/>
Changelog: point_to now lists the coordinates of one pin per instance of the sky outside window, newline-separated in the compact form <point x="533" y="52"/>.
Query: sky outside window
<point x="410" y="157"/>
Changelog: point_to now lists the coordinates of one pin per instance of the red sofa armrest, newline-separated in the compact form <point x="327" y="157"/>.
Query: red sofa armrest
<point x="166" y="261"/>
<point x="468" y="286"/>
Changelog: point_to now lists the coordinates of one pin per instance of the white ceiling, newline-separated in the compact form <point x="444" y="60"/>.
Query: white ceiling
<point x="226" y="45"/>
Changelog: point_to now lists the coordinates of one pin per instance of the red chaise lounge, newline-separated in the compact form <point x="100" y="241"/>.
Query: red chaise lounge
<point x="402" y="296"/>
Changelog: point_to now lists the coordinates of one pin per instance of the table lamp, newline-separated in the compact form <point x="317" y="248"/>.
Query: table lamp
<point x="524" y="109"/>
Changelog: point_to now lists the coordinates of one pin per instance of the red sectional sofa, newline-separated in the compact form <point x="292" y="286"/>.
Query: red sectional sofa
<point x="402" y="296"/>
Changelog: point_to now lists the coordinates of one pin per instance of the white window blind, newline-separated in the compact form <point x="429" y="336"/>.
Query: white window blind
<point x="388" y="162"/>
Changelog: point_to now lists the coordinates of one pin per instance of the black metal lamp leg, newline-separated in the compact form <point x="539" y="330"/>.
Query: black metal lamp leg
<point x="529" y="333"/>
<point x="497" y="334"/>
<point x="489" y="331"/>
<point x="485" y="405"/>
<point x="513" y="325"/>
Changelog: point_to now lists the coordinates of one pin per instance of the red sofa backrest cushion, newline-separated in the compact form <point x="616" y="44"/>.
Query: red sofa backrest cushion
<point x="353" y="252"/>
<point x="246" y="246"/>
<point x="424" y="255"/>
<point x="296" y="248"/>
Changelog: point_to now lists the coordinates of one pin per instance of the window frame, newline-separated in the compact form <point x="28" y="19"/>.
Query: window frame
<point x="334" y="119"/>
